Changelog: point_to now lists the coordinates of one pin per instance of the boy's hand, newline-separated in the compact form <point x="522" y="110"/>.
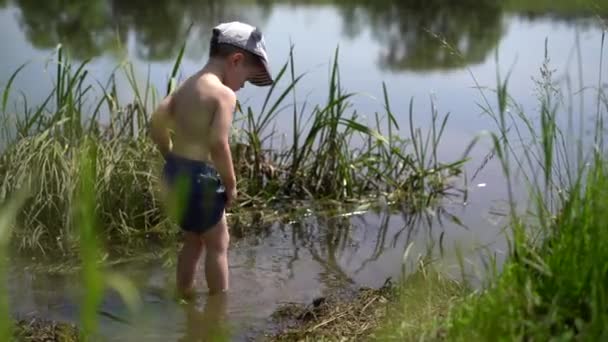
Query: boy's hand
<point x="231" y="194"/>
<point x="160" y="123"/>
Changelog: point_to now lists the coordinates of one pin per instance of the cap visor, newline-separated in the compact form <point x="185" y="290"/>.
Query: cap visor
<point x="262" y="79"/>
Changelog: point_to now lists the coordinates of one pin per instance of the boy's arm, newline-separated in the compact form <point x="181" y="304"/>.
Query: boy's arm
<point x="219" y="144"/>
<point x="160" y="123"/>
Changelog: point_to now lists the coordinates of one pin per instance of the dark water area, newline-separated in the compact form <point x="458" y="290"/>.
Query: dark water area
<point x="401" y="43"/>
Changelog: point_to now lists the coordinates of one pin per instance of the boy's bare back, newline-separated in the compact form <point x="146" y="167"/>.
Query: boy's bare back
<point x="202" y="110"/>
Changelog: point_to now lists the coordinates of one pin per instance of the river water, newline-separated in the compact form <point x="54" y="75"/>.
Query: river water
<point x="384" y="41"/>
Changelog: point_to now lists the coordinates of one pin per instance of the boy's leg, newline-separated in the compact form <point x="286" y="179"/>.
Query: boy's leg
<point x="216" y="260"/>
<point x="186" y="263"/>
<point x="209" y="324"/>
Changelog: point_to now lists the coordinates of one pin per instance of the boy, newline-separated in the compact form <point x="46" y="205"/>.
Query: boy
<point x="198" y="174"/>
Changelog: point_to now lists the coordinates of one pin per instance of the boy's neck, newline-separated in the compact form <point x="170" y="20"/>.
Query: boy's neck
<point x="214" y="67"/>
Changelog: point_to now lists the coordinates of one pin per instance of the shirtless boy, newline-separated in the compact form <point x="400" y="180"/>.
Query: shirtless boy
<point x="198" y="175"/>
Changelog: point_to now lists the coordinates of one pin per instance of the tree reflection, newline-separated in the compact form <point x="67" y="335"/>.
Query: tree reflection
<point x="160" y="26"/>
<point x="82" y="25"/>
<point x="89" y="28"/>
<point x="157" y="28"/>
<point x="406" y="29"/>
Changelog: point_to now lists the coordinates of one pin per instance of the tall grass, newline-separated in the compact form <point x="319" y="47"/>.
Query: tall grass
<point x="334" y="155"/>
<point x="554" y="284"/>
<point x="94" y="280"/>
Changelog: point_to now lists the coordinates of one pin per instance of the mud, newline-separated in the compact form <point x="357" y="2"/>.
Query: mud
<point x="345" y="317"/>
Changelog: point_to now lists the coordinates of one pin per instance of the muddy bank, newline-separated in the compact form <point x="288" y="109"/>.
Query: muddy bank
<point x="345" y="317"/>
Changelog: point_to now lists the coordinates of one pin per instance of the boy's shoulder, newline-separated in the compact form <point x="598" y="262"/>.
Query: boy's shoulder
<point x="208" y="86"/>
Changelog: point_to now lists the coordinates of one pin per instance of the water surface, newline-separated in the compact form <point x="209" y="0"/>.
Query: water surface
<point x="379" y="41"/>
<point x="291" y="263"/>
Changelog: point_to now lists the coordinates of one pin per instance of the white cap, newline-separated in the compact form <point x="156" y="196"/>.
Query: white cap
<point x="248" y="38"/>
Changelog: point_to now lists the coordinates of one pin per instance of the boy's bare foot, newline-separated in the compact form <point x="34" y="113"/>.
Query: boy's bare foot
<point x="186" y="296"/>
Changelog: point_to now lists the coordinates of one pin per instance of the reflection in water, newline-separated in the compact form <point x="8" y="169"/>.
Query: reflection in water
<point x="90" y="28"/>
<point x="160" y="26"/>
<point x="327" y="245"/>
<point x="346" y="246"/>
<point x="404" y="29"/>
<point x="83" y="26"/>
<point x="208" y="324"/>
<point x="411" y="224"/>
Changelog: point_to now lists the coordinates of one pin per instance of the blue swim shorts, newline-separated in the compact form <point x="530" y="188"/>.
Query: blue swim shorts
<point x="199" y="197"/>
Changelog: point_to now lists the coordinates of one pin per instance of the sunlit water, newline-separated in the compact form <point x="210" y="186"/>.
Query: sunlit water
<point x="296" y="263"/>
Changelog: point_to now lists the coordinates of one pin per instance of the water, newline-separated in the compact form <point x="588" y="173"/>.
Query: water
<point x="385" y="41"/>
<point x="292" y="263"/>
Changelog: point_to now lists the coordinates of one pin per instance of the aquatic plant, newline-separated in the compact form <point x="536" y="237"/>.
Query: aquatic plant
<point x="334" y="155"/>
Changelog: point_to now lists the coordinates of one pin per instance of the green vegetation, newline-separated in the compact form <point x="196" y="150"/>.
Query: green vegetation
<point x="7" y="214"/>
<point x="73" y="185"/>
<point x="423" y="299"/>
<point x="81" y="185"/>
<point x="554" y="284"/>
<point x="555" y="289"/>
<point x="37" y="330"/>
<point x="333" y="156"/>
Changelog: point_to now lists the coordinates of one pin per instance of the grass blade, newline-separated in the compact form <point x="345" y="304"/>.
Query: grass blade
<point x="7" y="88"/>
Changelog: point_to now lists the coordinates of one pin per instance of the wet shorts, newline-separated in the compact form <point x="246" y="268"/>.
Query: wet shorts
<point x="199" y="197"/>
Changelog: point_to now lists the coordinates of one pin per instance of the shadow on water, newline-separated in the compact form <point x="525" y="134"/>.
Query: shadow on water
<point x="297" y="262"/>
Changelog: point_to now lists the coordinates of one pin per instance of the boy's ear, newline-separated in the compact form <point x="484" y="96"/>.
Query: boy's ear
<point x="236" y="58"/>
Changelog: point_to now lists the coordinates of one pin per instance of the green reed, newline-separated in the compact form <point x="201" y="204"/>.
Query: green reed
<point x="335" y="154"/>
<point x="83" y="211"/>
<point x="89" y="242"/>
<point x="554" y="283"/>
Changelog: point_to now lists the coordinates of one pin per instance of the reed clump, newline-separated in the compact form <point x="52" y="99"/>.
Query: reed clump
<point x="335" y="155"/>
